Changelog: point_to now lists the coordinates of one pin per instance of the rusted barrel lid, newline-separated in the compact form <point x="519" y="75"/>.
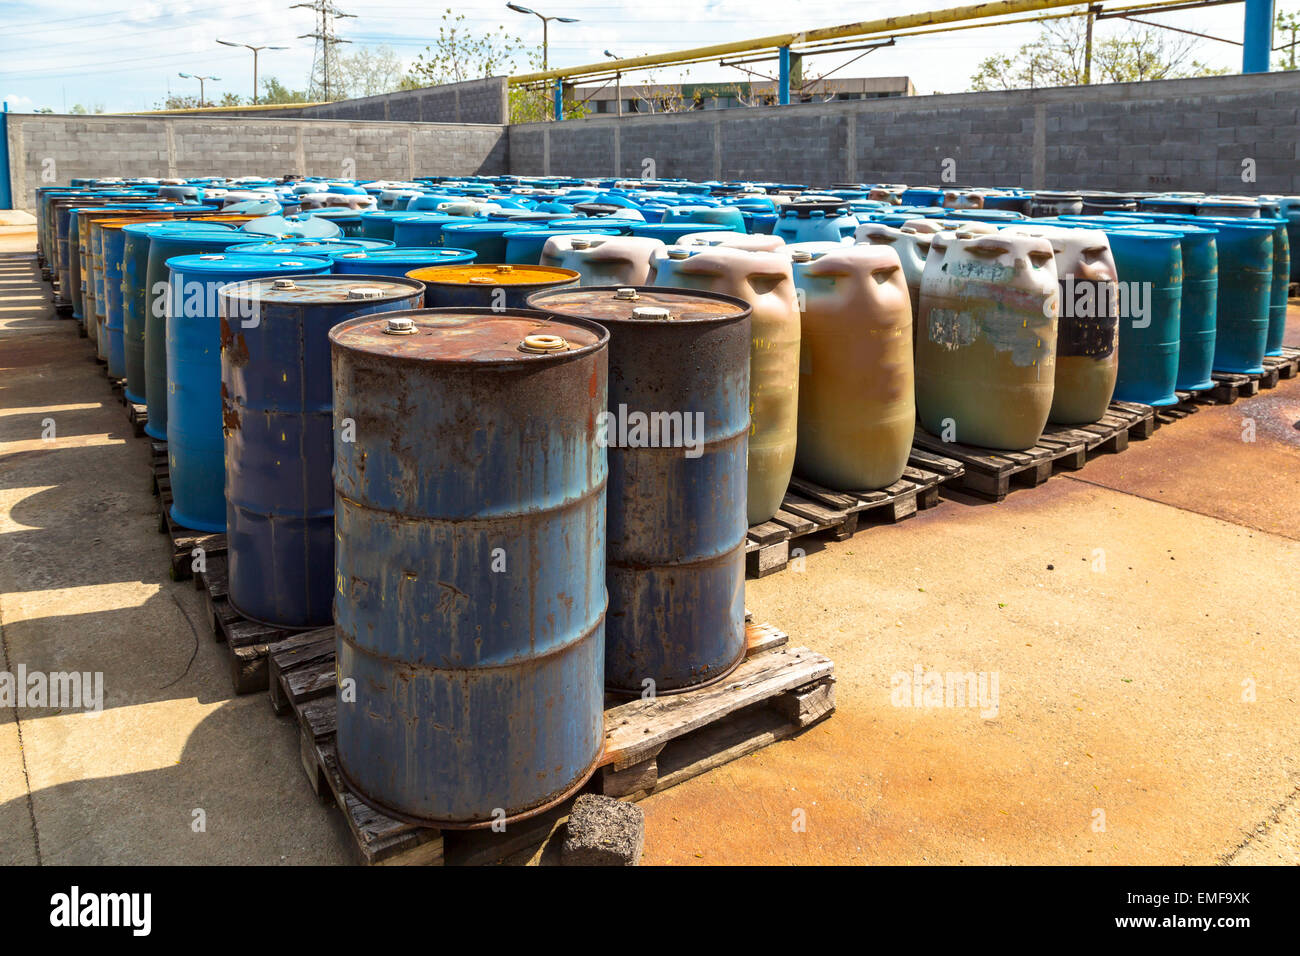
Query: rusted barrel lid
<point x="488" y="273"/>
<point x="638" y="304"/>
<point x="476" y="337"/>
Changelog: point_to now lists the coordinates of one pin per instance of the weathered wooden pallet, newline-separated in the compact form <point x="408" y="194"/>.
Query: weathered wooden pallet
<point x="990" y="473"/>
<point x="1287" y="365"/>
<point x="138" y="415"/>
<point x="186" y="542"/>
<point x="809" y="508"/>
<point x="247" y="641"/>
<point x="1230" y="386"/>
<point x="650" y="745"/>
<point x="1123" y="422"/>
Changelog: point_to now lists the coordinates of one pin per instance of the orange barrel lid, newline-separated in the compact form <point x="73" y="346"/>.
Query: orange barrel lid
<point x="472" y="274"/>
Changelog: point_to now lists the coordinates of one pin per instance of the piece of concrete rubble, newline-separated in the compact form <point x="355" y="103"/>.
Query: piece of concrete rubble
<point x="603" y="831"/>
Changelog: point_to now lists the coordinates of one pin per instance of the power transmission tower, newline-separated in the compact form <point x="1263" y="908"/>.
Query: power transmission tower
<point x="323" y="65"/>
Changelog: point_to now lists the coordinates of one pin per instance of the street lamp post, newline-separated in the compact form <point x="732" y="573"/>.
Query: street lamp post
<point x="546" y="22"/>
<point x="618" y="84"/>
<point x="256" y="50"/>
<point x="202" y="80"/>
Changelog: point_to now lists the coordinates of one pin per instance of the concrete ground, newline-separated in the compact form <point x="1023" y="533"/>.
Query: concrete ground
<point x="1137" y="617"/>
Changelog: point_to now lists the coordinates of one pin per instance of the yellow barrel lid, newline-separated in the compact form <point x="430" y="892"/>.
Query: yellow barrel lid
<point x="492" y="274"/>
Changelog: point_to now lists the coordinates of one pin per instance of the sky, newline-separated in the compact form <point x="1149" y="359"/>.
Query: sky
<point x="125" y="56"/>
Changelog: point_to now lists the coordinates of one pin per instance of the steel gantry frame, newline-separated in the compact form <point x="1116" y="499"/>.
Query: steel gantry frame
<point x="1257" y="39"/>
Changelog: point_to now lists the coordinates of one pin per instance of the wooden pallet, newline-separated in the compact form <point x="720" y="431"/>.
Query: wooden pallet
<point x="650" y="745"/>
<point x="809" y="508"/>
<point x="1122" y="423"/>
<point x="1286" y="365"/>
<point x="138" y="415"/>
<point x="990" y="473"/>
<point x="185" y="541"/>
<point x="247" y="641"/>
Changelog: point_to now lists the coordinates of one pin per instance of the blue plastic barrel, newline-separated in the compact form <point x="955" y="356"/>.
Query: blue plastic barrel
<point x="816" y="225"/>
<point x="1150" y="267"/>
<point x="423" y="230"/>
<point x="486" y="237"/>
<point x="1198" y="308"/>
<point x="378" y="223"/>
<point x="322" y="248"/>
<point x="277" y="410"/>
<point x="1245" y="249"/>
<point x="166" y="241"/>
<point x="395" y="262"/>
<point x="670" y="232"/>
<point x="728" y="216"/>
<point x="195" y="449"/>
<point x="524" y="246"/>
<point x="470" y="538"/>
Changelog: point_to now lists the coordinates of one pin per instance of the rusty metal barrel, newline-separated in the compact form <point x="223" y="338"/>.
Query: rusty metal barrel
<point x="277" y="425"/>
<point x="470" y="549"/>
<point x="677" y="429"/>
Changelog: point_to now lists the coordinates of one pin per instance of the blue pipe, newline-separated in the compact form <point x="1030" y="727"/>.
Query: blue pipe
<point x="6" y="197"/>
<point x="559" y="100"/>
<point x="783" y="89"/>
<point x="1258" y="46"/>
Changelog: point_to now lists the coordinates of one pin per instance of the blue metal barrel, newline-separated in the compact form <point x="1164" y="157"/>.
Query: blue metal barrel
<point x="277" y="414"/>
<point x="395" y="262"/>
<point x="470" y="535"/>
<point x="320" y="248"/>
<point x="488" y="285"/>
<point x="1150" y="266"/>
<point x="166" y="241"/>
<point x="676" y="517"/>
<point x="195" y="450"/>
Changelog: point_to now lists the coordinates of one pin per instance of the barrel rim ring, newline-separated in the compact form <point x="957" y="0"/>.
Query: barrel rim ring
<point x="547" y="802"/>
<point x="744" y="656"/>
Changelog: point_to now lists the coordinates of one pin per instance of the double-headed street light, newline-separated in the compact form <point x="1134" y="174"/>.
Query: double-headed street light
<point x="545" y="24"/>
<point x="256" y="50"/>
<point x="201" y="79"/>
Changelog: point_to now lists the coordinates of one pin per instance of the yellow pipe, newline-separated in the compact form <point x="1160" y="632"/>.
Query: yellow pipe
<point x="864" y="28"/>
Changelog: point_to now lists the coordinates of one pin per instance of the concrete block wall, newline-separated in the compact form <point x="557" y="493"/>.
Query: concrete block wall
<point x="47" y="149"/>
<point x="472" y="101"/>
<point x="1170" y="134"/>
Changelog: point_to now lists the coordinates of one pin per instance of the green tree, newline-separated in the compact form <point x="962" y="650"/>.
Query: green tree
<point x="1059" y="57"/>
<point x="457" y="54"/>
<point x="369" y="71"/>
<point x="176" y="101"/>
<point x="230" y="99"/>
<point x="1287" y="30"/>
<point x="537" y="105"/>
<point x="273" y="91"/>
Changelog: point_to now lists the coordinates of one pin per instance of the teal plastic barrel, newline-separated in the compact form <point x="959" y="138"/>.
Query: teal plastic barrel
<point x="1198" y="313"/>
<point x="1150" y="265"/>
